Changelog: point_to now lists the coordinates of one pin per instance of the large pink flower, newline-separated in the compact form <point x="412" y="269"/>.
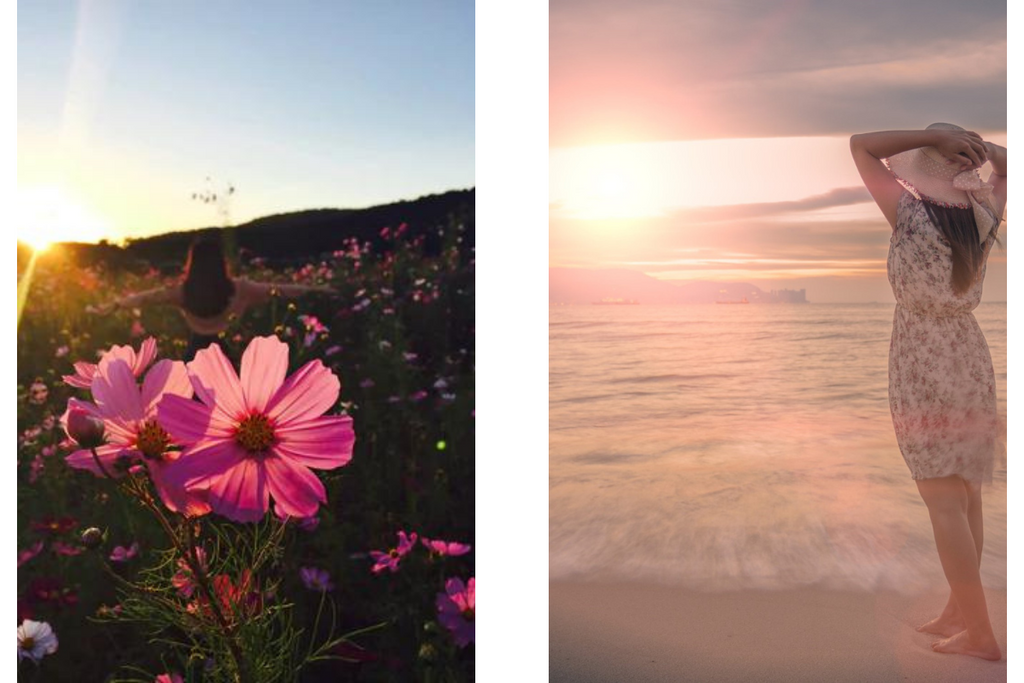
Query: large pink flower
<point x="132" y="428"/>
<point x="258" y="435"/>
<point x="456" y="610"/>
<point x="138" y="362"/>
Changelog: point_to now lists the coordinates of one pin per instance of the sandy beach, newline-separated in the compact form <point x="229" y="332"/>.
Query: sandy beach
<point x="621" y="632"/>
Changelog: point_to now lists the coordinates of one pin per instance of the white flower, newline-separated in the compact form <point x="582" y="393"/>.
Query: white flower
<point x="35" y="639"/>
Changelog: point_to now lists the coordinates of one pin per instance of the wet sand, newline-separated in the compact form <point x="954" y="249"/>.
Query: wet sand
<point x="622" y="632"/>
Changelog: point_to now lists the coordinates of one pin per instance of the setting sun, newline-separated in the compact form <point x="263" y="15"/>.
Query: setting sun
<point x="48" y="214"/>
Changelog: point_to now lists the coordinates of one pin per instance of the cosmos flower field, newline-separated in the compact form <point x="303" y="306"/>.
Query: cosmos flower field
<point x="298" y="506"/>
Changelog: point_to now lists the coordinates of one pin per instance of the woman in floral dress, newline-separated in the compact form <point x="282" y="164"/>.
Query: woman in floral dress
<point x="945" y="220"/>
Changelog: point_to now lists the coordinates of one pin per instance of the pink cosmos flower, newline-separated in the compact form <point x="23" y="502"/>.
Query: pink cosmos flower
<point x="316" y="579"/>
<point x="258" y="435"/>
<point x="183" y="579"/>
<point x="122" y="554"/>
<point x="66" y="549"/>
<point x="30" y="552"/>
<point x="132" y="428"/>
<point x="391" y="558"/>
<point x="456" y="610"/>
<point x="169" y="678"/>
<point x="446" y="547"/>
<point x="84" y="372"/>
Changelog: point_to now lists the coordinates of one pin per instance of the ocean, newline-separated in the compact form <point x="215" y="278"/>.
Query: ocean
<point x="723" y="447"/>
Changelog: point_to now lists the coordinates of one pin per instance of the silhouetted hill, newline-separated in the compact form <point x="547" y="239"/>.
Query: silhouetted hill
<point x="299" y="235"/>
<point x="583" y="286"/>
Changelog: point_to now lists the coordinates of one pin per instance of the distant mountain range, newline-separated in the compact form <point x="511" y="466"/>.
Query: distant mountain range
<point x="584" y="286"/>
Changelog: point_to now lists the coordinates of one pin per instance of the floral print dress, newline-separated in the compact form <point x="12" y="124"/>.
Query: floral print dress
<point x="942" y="390"/>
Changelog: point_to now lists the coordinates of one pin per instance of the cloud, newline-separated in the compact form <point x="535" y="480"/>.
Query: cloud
<point x="842" y="196"/>
<point x="659" y="70"/>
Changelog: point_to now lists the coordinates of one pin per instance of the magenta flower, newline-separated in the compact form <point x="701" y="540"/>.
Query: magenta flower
<point x="447" y="547"/>
<point x="183" y="579"/>
<point x="30" y="552"/>
<point x="257" y="436"/>
<point x="316" y="579"/>
<point x="456" y="610"/>
<point x="66" y="549"/>
<point x="169" y="678"/>
<point x="391" y="558"/>
<point x="84" y="372"/>
<point x="133" y="430"/>
<point x="122" y="554"/>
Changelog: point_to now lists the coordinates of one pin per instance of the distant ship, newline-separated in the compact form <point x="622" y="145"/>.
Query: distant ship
<point x="741" y="301"/>
<point x="615" y="302"/>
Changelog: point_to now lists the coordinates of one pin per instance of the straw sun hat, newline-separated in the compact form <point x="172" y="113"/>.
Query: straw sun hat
<point x="931" y="177"/>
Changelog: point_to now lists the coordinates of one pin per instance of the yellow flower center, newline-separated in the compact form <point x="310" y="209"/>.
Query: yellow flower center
<point x="152" y="440"/>
<point x="255" y="434"/>
<point x="27" y="643"/>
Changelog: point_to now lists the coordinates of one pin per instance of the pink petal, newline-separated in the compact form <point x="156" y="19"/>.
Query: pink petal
<point x="118" y="352"/>
<point x="173" y="494"/>
<point x="147" y="352"/>
<point x="202" y="465"/>
<point x="322" y="443"/>
<point x="83" y="405"/>
<point x="216" y="383"/>
<point x="264" y="366"/>
<point x="241" y="493"/>
<point x="166" y="377"/>
<point x="297" y="491"/>
<point x="82" y="378"/>
<point x="115" y="391"/>
<point x="189" y="422"/>
<point x="108" y="455"/>
<point x="308" y="393"/>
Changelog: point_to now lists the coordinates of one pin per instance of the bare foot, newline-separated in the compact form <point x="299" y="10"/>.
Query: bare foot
<point x="944" y="625"/>
<point x="961" y="644"/>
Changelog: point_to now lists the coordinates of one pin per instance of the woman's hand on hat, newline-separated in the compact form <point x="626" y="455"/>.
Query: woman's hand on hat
<point x="961" y="145"/>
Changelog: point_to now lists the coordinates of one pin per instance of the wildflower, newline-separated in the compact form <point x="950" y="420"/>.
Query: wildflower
<point x="122" y="554"/>
<point x="258" y="435"/>
<point x="38" y="392"/>
<point x="137" y="329"/>
<point x="55" y="525"/>
<point x="409" y="356"/>
<point x="134" y="431"/>
<point x="66" y="549"/>
<point x="450" y="548"/>
<point x="391" y="558"/>
<point x="30" y="552"/>
<point x="169" y="678"/>
<point x="35" y="640"/>
<point x="366" y="383"/>
<point x="183" y="579"/>
<point x="61" y="351"/>
<point x="456" y="610"/>
<point x="85" y="428"/>
<point x="241" y="599"/>
<point x="84" y="372"/>
<point x="316" y="579"/>
<point x="48" y="589"/>
<point x="418" y="396"/>
<point x="332" y="350"/>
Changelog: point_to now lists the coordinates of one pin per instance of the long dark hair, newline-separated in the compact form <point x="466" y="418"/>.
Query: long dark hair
<point x="208" y="288"/>
<point x="960" y="229"/>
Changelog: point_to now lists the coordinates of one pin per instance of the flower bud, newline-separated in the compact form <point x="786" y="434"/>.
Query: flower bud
<point x="87" y="430"/>
<point x="92" y="537"/>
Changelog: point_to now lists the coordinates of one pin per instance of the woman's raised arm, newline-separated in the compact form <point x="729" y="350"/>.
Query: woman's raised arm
<point x="167" y="294"/>
<point x="868" y="150"/>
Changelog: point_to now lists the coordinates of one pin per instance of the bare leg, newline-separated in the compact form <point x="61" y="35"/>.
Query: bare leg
<point x="951" y="622"/>
<point x="946" y="499"/>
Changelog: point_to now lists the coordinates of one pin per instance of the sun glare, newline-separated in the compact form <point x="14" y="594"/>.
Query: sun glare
<point x="609" y="182"/>
<point x="49" y="214"/>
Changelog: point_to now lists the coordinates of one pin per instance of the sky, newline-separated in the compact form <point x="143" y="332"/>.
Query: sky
<point x="693" y="140"/>
<point x="125" y="109"/>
